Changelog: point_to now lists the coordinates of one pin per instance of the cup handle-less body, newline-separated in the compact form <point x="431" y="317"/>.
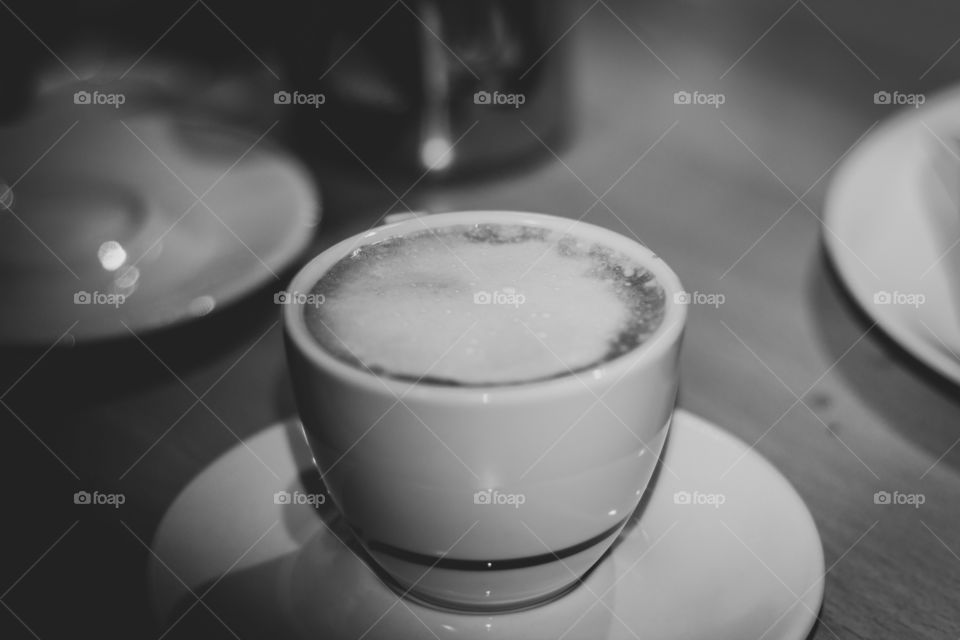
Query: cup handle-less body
<point x="489" y="497"/>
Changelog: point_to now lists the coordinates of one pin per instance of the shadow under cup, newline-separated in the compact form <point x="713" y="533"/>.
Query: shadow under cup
<point x="487" y="497"/>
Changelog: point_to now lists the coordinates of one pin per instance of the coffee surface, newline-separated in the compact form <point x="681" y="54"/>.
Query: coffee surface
<point x="486" y="304"/>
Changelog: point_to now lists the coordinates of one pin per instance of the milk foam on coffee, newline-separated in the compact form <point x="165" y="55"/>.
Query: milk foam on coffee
<point x="484" y="304"/>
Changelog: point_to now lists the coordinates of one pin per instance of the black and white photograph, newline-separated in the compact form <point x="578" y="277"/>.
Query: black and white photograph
<point x="480" y="320"/>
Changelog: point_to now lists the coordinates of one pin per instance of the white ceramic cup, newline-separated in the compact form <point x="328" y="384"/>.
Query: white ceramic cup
<point x="487" y="498"/>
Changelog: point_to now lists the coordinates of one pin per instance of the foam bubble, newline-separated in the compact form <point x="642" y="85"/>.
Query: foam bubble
<point x="484" y="304"/>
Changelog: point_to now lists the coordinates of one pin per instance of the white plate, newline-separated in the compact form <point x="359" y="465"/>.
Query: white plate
<point x="751" y="567"/>
<point x="100" y="214"/>
<point x="886" y="231"/>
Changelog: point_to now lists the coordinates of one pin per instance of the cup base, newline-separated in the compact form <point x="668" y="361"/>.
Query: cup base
<point x="473" y="586"/>
<point x="440" y="604"/>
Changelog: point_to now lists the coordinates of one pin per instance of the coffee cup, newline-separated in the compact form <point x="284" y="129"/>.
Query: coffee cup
<point x="477" y="492"/>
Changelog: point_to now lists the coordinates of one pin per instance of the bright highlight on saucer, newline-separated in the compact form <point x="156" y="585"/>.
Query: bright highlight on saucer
<point x="111" y="255"/>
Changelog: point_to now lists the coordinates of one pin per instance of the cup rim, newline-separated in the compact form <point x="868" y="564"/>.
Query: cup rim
<point x="663" y="338"/>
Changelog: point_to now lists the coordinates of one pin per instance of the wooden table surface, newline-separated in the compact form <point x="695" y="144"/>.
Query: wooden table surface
<point x="787" y="363"/>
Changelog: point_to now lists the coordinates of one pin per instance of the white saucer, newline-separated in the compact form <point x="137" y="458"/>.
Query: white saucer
<point x="886" y="233"/>
<point x="95" y="217"/>
<point x="751" y="567"/>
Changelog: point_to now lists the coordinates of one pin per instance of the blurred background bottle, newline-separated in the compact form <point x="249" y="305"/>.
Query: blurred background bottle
<point x="432" y="87"/>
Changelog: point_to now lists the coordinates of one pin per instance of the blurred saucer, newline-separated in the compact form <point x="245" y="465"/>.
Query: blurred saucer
<point x="722" y="547"/>
<point x="889" y="238"/>
<point x="105" y="228"/>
